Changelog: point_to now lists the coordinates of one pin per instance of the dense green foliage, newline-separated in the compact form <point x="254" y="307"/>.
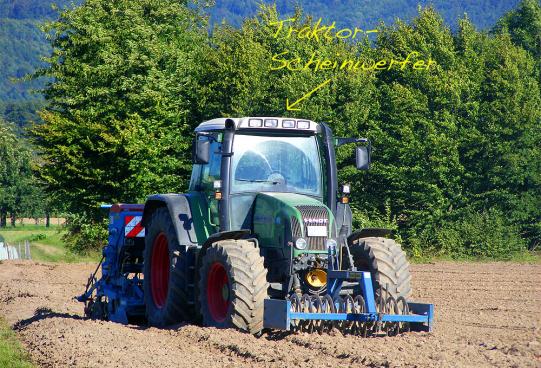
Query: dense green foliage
<point x="20" y="192"/>
<point x="117" y="123"/>
<point x="524" y="26"/>
<point x="456" y="166"/>
<point x="23" y="44"/>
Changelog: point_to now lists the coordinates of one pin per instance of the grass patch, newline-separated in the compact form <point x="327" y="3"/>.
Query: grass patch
<point x="46" y="244"/>
<point x="12" y="353"/>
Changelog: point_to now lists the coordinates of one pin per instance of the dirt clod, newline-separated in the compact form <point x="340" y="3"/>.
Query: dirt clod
<point x="487" y="314"/>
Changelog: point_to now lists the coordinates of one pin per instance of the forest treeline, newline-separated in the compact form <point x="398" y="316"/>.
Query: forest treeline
<point x="456" y="161"/>
<point x="22" y="44"/>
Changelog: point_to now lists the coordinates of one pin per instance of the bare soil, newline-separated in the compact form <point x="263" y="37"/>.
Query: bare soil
<point x="487" y="314"/>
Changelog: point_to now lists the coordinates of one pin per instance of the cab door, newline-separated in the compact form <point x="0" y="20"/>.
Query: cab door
<point x="209" y="173"/>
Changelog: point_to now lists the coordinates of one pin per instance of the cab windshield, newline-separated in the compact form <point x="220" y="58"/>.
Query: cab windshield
<point x="276" y="164"/>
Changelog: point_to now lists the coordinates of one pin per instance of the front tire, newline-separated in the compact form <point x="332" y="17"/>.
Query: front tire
<point x="164" y="272"/>
<point x="387" y="263"/>
<point x="233" y="286"/>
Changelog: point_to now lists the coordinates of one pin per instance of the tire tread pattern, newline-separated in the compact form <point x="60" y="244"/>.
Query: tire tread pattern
<point x="176" y="308"/>
<point x="386" y="261"/>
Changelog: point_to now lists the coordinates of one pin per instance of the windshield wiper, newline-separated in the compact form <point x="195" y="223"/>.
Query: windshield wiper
<point x="259" y="181"/>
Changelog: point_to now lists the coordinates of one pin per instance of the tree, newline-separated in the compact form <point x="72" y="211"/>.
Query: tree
<point x="119" y="118"/>
<point x="498" y="148"/>
<point x="524" y="26"/>
<point x="452" y="145"/>
<point x="17" y="185"/>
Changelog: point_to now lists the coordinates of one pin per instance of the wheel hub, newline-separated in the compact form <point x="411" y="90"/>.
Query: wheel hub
<point x="159" y="270"/>
<point x="218" y="293"/>
<point x="316" y="278"/>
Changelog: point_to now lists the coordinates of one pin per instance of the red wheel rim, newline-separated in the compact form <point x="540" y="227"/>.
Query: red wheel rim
<point x="218" y="292"/>
<point x="159" y="270"/>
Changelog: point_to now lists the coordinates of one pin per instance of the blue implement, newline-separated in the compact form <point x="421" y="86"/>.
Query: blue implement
<point x="118" y="294"/>
<point x="278" y="314"/>
<point x="283" y="314"/>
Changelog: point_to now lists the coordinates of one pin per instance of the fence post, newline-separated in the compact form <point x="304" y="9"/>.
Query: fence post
<point x="26" y="249"/>
<point x="20" y="254"/>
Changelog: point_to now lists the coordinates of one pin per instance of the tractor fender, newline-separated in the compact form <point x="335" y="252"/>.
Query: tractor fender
<point x="180" y="212"/>
<point x="223" y="235"/>
<point x="369" y="232"/>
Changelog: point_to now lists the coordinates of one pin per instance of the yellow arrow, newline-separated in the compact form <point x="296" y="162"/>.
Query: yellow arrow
<point x="291" y="107"/>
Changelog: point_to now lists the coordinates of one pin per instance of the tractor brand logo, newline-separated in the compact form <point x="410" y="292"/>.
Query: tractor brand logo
<point x="133" y="228"/>
<point x="312" y="221"/>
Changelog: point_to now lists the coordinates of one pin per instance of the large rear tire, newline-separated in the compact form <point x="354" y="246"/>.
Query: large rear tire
<point x="387" y="263"/>
<point x="233" y="286"/>
<point x="164" y="272"/>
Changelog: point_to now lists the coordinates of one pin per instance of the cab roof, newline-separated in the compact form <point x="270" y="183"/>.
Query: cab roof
<point x="259" y="122"/>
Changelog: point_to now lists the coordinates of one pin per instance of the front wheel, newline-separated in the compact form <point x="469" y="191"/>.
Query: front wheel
<point x="387" y="263"/>
<point x="233" y="286"/>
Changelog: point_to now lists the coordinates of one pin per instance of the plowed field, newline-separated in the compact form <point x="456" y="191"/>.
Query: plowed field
<point x="487" y="314"/>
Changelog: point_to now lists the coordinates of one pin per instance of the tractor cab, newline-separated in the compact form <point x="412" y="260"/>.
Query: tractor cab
<point x="276" y="178"/>
<point x="236" y="159"/>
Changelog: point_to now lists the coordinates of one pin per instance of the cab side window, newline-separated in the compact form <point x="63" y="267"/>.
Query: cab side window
<point x="203" y="176"/>
<point x="211" y="171"/>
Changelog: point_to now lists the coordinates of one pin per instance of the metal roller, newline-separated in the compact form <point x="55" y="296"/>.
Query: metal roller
<point x="369" y="313"/>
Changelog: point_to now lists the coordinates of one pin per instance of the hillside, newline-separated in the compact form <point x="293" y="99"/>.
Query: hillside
<point x="370" y="12"/>
<point x="22" y="44"/>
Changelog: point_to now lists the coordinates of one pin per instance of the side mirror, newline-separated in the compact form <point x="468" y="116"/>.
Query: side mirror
<point x="201" y="151"/>
<point x="362" y="157"/>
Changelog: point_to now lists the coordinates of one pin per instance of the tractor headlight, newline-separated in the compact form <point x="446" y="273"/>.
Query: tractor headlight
<point x="331" y="243"/>
<point x="255" y="123"/>
<point x="301" y="244"/>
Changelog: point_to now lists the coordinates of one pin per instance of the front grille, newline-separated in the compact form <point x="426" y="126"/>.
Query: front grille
<point x="311" y="212"/>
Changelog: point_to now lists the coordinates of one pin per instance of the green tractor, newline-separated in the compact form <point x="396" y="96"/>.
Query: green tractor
<point x="262" y="215"/>
<point x="262" y="208"/>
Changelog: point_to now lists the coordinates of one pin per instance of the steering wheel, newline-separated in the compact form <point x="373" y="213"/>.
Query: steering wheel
<point x="277" y="177"/>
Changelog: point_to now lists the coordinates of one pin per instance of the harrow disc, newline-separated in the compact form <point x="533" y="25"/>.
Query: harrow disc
<point x="327" y="306"/>
<point x="403" y="309"/>
<point x="391" y="307"/>
<point x="359" y="328"/>
<point x="295" y="307"/>
<point x="305" y="307"/>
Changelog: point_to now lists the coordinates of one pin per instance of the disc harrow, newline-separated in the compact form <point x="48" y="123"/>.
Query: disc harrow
<point x="363" y="312"/>
<point x="352" y="305"/>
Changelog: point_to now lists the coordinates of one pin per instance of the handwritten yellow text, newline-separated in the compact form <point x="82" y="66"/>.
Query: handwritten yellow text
<point x="314" y="63"/>
<point x="317" y="31"/>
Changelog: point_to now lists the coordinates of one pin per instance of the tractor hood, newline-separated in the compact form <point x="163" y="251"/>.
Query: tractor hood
<point x="281" y="218"/>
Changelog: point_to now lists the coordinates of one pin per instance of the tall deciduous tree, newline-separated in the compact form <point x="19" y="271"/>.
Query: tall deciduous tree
<point x="524" y="26"/>
<point x="119" y="117"/>
<point x="118" y="122"/>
